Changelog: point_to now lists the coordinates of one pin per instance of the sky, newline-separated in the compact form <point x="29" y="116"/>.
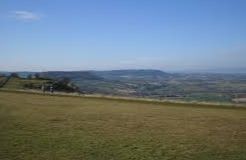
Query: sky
<point x="43" y="35"/>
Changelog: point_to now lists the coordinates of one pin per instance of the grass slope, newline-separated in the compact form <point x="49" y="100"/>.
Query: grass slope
<point x="53" y="127"/>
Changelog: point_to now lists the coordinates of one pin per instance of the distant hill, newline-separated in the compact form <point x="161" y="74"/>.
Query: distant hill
<point x="106" y="75"/>
<point x="99" y="75"/>
<point x="73" y="75"/>
<point x="132" y="74"/>
<point x="23" y="74"/>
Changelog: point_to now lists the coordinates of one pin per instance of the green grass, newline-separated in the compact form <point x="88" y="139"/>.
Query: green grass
<point x="59" y="127"/>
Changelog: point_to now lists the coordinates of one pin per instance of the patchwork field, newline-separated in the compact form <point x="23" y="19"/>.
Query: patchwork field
<point x="59" y="127"/>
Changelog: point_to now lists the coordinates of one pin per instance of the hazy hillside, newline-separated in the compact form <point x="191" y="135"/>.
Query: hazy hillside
<point x="132" y="74"/>
<point x="107" y="75"/>
<point x="73" y="75"/>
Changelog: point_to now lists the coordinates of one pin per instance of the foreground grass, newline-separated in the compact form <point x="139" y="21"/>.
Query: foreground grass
<point x="53" y="127"/>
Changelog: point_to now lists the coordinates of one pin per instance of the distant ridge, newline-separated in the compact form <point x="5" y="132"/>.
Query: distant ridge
<point x="99" y="75"/>
<point x="132" y="74"/>
<point x="73" y="75"/>
<point x="110" y="75"/>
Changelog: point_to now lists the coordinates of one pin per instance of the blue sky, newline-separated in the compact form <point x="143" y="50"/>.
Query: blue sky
<point x="46" y="35"/>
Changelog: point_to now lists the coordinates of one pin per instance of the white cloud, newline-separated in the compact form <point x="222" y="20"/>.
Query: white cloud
<point x="25" y="15"/>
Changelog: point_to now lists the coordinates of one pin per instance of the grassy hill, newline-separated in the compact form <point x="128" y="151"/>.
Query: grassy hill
<point x="16" y="83"/>
<point x="20" y="83"/>
<point x="53" y="127"/>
